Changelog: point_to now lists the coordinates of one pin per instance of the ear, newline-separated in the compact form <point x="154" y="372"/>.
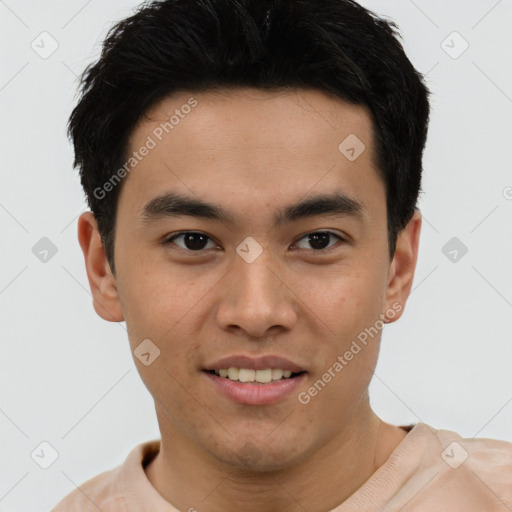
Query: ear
<point x="401" y="270"/>
<point x="101" y="280"/>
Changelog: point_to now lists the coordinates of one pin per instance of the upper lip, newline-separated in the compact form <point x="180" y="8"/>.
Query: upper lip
<point x="255" y="363"/>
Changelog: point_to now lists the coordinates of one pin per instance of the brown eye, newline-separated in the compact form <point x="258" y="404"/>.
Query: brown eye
<point x="191" y="241"/>
<point x="319" y="240"/>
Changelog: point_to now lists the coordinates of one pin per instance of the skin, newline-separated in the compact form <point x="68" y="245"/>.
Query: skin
<point x="253" y="153"/>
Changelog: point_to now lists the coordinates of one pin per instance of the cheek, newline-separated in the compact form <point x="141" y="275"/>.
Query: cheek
<point x="347" y="300"/>
<point x="151" y="292"/>
<point x="168" y="306"/>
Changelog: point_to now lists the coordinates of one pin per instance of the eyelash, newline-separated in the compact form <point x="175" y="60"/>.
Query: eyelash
<point x="201" y="251"/>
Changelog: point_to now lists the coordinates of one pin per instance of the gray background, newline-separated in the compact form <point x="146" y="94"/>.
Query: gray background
<point x="67" y="377"/>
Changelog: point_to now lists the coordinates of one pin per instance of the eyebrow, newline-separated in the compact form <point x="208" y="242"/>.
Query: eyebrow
<point x="175" y="205"/>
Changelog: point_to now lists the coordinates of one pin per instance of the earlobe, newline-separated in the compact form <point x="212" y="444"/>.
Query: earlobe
<point x="402" y="268"/>
<point x="101" y="280"/>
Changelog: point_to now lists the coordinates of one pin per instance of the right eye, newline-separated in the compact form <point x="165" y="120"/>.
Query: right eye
<point x="191" y="241"/>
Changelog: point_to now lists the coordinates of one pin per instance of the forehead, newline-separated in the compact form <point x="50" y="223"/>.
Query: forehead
<point x="228" y="117"/>
<point x="249" y="146"/>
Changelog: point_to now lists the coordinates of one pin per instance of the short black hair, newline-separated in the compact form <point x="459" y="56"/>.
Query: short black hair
<point x="171" y="46"/>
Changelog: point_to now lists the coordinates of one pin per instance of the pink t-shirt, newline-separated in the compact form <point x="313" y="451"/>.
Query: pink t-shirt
<point x="430" y="470"/>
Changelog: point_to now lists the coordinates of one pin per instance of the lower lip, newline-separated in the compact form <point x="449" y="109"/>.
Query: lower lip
<point x="256" y="394"/>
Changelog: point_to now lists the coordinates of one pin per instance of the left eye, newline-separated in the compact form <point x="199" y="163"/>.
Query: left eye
<point x="319" y="240"/>
<point x="196" y="242"/>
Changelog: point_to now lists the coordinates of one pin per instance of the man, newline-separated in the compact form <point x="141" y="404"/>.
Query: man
<point x="253" y="169"/>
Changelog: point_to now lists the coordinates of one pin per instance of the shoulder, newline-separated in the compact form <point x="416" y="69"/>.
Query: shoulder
<point x="479" y="450"/>
<point x="481" y="468"/>
<point x="111" y="491"/>
<point x="488" y="458"/>
<point x="97" y="493"/>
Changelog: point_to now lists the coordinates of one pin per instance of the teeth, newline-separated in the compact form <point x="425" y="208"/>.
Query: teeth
<point x="248" y="375"/>
<point x="277" y="374"/>
<point x="263" y="376"/>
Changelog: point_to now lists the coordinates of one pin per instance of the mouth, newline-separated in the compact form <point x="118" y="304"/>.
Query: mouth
<point x="243" y="386"/>
<point x="257" y="377"/>
<point x="255" y="380"/>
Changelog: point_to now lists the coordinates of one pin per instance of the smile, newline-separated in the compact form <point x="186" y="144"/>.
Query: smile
<point x="252" y="392"/>
<point x="256" y="376"/>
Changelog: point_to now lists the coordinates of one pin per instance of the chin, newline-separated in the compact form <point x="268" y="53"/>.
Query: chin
<point x="261" y="455"/>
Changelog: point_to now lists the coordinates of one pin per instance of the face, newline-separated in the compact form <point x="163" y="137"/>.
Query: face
<point x="247" y="233"/>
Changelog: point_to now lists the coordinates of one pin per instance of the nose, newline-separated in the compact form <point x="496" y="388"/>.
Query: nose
<point x="257" y="301"/>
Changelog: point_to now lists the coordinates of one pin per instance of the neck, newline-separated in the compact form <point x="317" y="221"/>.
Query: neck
<point x="191" y="479"/>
